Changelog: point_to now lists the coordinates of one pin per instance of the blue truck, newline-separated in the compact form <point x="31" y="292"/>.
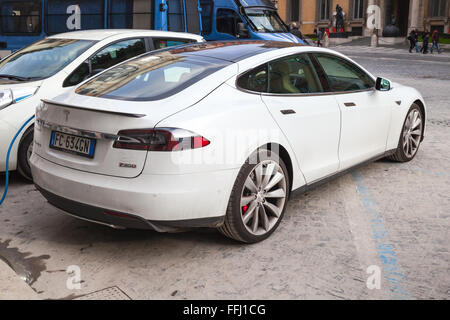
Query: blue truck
<point x="25" y="21"/>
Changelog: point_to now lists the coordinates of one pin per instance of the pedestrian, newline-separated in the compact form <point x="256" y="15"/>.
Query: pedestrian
<point x="435" y="41"/>
<point x="412" y="42"/>
<point x="319" y="35"/>
<point x="296" y="31"/>
<point x="426" y="38"/>
<point x="416" y="39"/>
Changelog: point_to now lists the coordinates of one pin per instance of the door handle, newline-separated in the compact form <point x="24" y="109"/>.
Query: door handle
<point x="349" y="104"/>
<point x="287" y="111"/>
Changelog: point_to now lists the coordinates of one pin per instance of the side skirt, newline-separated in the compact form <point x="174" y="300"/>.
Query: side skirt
<point x="308" y="187"/>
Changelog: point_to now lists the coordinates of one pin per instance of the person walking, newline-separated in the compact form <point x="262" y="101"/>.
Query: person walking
<point x="319" y="35"/>
<point x="435" y="41"/>
<point x="426" y="39"/>
<point x="296" y="31"/>
<point x="412" y="41"/>
<point x="416" y="39"/>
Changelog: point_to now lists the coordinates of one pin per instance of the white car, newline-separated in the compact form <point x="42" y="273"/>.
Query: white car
<point x="54" y="65"/>
<point x="216" y="135"/>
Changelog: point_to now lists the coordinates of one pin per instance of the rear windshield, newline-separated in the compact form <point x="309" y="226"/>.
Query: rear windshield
<point x="151" y="77"/>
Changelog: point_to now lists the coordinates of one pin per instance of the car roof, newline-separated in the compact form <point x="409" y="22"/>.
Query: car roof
<point x="233" y="51"/>
<point x="102" y="34"/>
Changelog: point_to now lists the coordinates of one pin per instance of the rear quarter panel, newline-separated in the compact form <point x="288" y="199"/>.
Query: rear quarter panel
<point x="235" y="122"/>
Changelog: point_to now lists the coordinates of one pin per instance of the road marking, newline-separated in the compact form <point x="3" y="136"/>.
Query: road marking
<point x="385" y="250"/>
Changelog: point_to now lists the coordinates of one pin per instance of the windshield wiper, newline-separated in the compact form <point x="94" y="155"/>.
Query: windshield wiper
<point x="13" y="77"/>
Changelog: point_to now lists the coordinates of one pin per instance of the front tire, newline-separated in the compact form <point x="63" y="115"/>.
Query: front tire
<point x="24" y="154"/>
<point x="258" y="199"/>
<point x="410" y="136"/>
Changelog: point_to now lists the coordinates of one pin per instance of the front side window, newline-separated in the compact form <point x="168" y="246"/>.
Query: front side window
<point x="43" y="58"/>
<point x="20" y="17"/>
<point x="342" y="75"/>
<point x="151" y="77"/>
<point x="105" y="59"/>
<point x="265" y="20"/>
<point x="254" y="80"/>
<point x="226" y="21"/>
<point x="130" y="14"/>
<point x="293" y="75"/>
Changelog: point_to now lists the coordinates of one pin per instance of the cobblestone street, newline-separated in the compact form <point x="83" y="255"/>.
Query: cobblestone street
<point x="321" y="250"/>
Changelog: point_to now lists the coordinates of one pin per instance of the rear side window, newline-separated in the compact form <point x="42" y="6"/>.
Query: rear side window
<point x="151" y="77"/>
<point x="343" y="75"/>
<point x="293" y="75"/>
<point x="254" y="80"/>
<point x="168" y="42"/>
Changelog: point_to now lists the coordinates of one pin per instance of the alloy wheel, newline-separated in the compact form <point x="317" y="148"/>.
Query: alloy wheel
<point x="412" y="133"/>
<point x="263" y="197"/>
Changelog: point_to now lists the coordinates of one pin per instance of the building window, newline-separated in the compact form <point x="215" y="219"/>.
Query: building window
<point x="130" y="14"/>
<point x="358" y="9"/>
<point x="438" y="8"/>
<point x="20" y="17"/>
<point x="324" y="9"/>
<point x="295" y="10"/>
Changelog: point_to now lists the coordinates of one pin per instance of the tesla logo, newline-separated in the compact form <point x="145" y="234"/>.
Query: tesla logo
<point x="66" y="113"/>
<point x="74" y="20"/>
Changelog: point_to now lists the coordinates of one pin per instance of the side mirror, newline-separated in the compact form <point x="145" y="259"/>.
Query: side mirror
<point x="242" y="30"/>
<point x="382" y="84"/>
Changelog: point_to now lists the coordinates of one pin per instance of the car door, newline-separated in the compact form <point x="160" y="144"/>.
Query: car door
<point x="365" y="112"/>
<point x="107" y="57"/>
<point x="309" y="118"/>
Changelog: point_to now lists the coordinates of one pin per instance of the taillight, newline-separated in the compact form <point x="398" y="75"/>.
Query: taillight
<point x="161" y="139"/>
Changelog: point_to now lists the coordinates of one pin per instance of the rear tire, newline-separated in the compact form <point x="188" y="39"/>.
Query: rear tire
<point x="410" y="136"/>
<point x="256" y="209"/>
<point x="24" y="154"/>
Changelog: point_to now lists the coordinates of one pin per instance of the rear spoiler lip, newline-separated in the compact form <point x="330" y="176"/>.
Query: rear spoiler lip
<point x="132" y="115"/>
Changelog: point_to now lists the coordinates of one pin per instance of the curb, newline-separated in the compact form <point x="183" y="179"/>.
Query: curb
<point x="12" y="287"/>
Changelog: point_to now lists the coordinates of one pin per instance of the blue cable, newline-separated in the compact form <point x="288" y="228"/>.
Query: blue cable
<point x="7" y="159"/>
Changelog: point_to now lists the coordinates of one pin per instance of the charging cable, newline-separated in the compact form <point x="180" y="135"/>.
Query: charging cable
<point x="7" y="158"/>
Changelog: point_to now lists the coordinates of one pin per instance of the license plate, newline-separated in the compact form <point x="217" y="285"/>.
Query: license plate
<point x="72" y="144"/>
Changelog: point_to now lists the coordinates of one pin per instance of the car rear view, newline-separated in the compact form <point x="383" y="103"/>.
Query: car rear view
<point x="93" y="144"/>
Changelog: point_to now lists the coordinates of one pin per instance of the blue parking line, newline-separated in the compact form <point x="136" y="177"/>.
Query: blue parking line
<point x="386" y="251"/>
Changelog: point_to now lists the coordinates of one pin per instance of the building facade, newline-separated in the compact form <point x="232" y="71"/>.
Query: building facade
<point x="406" y="14"/>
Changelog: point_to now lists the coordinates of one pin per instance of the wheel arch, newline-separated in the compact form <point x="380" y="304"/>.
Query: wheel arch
<point x="284" y="155"/>
<point x="422" y="109"/>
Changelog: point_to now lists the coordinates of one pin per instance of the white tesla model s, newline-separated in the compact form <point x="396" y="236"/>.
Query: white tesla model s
<point x="216" y="135"/>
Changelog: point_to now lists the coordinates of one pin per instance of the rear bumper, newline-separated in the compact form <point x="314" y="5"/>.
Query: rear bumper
<point x="167" y="200"/>
<point x="120" y="220"/>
